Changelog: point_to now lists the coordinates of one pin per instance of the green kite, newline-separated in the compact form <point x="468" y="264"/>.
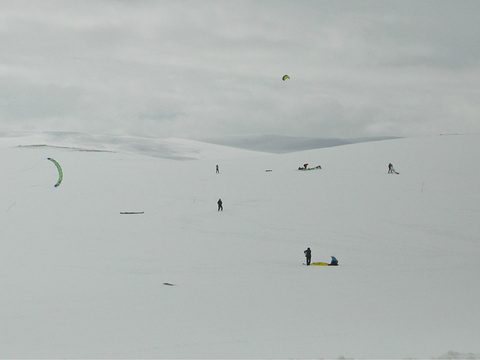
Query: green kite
<point x="60" y="171"/>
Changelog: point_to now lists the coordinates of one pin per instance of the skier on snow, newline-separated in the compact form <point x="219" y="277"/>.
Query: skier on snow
<point x="308" y="255"/>
<point x="220" y="205"/>
<point x="391" y="169"/>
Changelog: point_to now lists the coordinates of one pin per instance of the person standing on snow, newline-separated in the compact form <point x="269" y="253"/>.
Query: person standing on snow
<point x="308" y="255"/>
<point x="391" y="169"/>
<point x="220" y="205"/>
<point x="218" y="171"/>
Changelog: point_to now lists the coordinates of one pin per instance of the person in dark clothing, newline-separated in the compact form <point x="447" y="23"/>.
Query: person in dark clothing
<point x="218" y="171"/>
<point x="308" y="255"/>
<point x="334" y="261"/>
<point x="220" y="205"/>
<point x="391" y="169"/>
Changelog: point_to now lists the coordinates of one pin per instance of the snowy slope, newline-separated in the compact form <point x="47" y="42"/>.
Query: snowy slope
<point x="167" y="148"/>
<point x="79" y="280"/>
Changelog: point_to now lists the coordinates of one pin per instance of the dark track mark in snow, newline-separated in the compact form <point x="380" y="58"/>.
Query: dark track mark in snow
<point x="65" y="147"/>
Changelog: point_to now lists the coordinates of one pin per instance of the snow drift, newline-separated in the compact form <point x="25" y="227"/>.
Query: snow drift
<point x="181" y="280"/>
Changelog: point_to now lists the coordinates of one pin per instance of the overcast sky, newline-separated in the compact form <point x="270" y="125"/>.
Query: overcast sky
<point x="214" y="68"/>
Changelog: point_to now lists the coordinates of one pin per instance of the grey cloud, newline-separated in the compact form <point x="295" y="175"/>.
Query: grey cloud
<point x="208" y="68"/>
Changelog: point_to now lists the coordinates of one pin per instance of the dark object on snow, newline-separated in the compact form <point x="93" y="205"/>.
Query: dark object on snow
<point x="220" y="205"/>
<point x="308" y="255"/>
<point x="313" y="168"/>
<point x="391" y="169"/>
<point x="131" y="212"/>
<point x="168" y="284"/>
<point x="334" y="261"/>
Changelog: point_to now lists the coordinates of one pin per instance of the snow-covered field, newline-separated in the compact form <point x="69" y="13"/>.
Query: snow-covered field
<point x="80" y="280"/>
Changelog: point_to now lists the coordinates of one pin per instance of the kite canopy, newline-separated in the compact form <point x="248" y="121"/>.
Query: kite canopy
<point x="285" y="77"/>
<point x="60" y="172"/>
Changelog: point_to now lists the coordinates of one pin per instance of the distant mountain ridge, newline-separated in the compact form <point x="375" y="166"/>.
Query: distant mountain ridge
<point x="177" y="148"/>
<point x="285" y="144"/>
<point x="166" y="148"/>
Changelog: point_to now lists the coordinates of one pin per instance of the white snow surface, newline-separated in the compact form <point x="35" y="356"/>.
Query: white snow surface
<point x="80" y="280"/>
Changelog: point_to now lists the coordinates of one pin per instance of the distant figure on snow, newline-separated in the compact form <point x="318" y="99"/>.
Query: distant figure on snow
<point x="218" y="171"/>
<point x="334" y="261"/>
<point x="220" y="205"/>
<point x="305" y="166"/>
<point x="391" y="169"/>
<point x="308" y="255"/>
